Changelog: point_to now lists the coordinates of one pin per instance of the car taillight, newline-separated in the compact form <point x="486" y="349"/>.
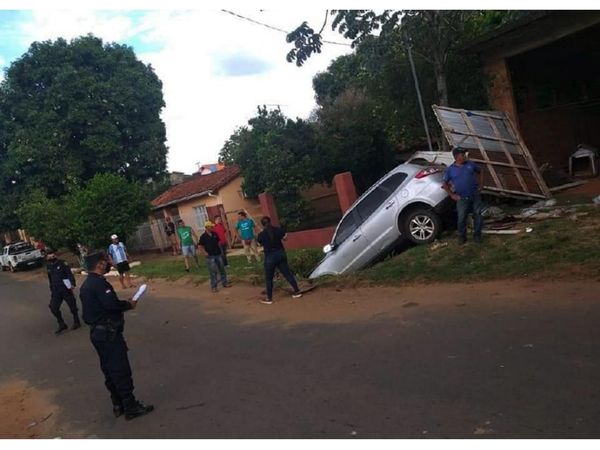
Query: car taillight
<point x="428" y="171"/>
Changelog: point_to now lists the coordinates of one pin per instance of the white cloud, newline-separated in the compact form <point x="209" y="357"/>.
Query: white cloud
<point x="202" y="107"/>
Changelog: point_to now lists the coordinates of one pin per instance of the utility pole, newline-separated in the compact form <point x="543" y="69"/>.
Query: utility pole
<point x="414" y="72"/>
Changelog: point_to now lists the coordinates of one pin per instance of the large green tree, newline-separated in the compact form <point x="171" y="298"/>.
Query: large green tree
<point x="276" y="155"/>
<point x="69" y="110"/>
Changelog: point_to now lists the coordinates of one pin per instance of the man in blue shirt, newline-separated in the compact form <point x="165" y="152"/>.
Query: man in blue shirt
<point x="245" y="228"/>
<point x="463" y="181"/>
<point x="118" y="257"/>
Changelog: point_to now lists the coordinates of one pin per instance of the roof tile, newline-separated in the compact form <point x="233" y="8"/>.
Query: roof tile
<point x="197" y="185"/>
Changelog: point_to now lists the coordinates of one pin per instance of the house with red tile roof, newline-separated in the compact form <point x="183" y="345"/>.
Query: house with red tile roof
<point x="200" y="198"/>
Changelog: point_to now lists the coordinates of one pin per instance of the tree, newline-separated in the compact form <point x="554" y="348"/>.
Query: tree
<point x="433" y="34"/>
<point x="47" y="219"/>
<point x="276" y="155"/>
<point x="351" y="137"/>
<point x="107" y="204"/>
<point x="69" y="110"/>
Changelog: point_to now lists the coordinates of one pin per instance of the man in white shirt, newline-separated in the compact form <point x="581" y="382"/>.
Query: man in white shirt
<point x="118" y="257"/>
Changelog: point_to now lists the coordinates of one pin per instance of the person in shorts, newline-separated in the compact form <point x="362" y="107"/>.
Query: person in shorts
<point x="187" y="238"/>
<point x="245" y="228"/>
<point x="118" y="257"/>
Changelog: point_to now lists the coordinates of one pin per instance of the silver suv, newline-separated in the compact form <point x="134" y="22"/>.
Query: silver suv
<point x="406" y="203"/>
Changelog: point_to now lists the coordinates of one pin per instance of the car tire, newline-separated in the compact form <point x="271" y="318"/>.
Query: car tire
<point x="12" y="268"/>
<point x="422" y="226"/>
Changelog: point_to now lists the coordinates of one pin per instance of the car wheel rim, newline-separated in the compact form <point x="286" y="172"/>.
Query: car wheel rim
<point x="421" y="227"/>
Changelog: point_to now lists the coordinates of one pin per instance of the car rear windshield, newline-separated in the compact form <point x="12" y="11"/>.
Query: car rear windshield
<point x="19" y="248"/>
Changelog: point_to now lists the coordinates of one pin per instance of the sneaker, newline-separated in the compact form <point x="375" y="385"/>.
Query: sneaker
<point x="187" y="270"/>
<point x="76" y="325"/>
<point x="267" y="302"/>
<point x="297" y="294"/>
<point x="214" y="290"/>
<point x="477" y="239"/>
<point x="462" y="241"/>
<point x="139" y="409"/>
<point x="61" y="327"/>
<point x="228" y="285"/>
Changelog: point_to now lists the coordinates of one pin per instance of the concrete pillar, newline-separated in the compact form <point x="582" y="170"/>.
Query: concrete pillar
<point x="268" y="207"/>
<point x="346" y="191"/>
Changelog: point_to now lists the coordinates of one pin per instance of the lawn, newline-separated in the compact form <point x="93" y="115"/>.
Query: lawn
<point x="556" y="248"/>
<point x="172" y="268"/>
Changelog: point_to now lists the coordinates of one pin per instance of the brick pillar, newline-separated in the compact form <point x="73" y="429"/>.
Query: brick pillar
<point x="346" y="191"/>
<point x="500" y="88"/>
<point x="269" y="208"/>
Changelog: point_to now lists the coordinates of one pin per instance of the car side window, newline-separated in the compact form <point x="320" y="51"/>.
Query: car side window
<point x="371" y="202"/>
<point x="347" y="226"/>
<point x="393" y="182"/>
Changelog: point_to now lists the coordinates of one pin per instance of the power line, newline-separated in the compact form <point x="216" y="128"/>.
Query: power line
<point x="256" y="22"/>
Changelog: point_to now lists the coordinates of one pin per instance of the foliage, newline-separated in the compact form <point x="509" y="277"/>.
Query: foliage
<point x="351" y="136"/>
<point x="107" y="204"/>
<point x="47" y="219"/>
<point x="276" y="155"/>
<point x="69" y="110"/>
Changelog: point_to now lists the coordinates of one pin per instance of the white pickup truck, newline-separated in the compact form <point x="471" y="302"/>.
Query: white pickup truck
<point x="18" y="255"/>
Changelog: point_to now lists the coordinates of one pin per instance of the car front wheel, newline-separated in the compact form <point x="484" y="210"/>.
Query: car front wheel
<point x="422" y="226"/>
<point x="12" y="268"/>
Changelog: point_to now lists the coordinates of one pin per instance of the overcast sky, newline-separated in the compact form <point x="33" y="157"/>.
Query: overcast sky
<point x="215" y="68"/>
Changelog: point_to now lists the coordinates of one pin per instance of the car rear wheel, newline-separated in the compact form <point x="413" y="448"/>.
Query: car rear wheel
<point x="422" y="226"/>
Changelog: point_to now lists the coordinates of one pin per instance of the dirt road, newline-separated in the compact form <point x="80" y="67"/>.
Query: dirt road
<point x="513" y="359"/>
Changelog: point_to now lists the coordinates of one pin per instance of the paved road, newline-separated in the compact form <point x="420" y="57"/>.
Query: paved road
<point x="523" y="370"/>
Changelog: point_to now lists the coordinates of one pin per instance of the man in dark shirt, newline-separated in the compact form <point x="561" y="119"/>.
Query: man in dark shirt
<point x="62" y="283"/>
<point x="170" y="230"/>
<point x="209" y="241"/>
<point x="462" y="181"/>
<point x="271" y="238"/>
<point x="103" y="311"/>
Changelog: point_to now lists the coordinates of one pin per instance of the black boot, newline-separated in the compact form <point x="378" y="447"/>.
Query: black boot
<point x="76" y="323"/>
<point x="61" y="327"/>
<point x="118" y="410"/>
<point x="137" y="409"/>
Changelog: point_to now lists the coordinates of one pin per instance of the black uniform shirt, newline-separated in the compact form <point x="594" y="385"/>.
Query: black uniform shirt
<point x="170" y="228"/>
<point x="57" y="272"/>
<point x="210" y="242"/>
<point x="100" y="302"/>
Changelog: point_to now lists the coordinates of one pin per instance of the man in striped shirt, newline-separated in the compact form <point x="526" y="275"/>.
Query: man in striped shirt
<point x="118" y="257"/>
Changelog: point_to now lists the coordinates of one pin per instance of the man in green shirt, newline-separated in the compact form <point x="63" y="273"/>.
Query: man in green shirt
<point x="187" y="238"/>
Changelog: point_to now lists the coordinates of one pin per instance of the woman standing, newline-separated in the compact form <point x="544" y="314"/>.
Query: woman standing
<point x="275" y="258"/>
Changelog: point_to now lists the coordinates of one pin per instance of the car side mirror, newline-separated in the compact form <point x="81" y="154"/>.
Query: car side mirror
<point x="328" y="248"/>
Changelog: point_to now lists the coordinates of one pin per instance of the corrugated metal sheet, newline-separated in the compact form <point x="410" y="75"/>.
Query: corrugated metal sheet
<point x="492" y="141"/>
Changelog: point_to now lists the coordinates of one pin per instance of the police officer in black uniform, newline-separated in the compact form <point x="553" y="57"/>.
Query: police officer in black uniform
<point x="103" y="311"/>
<point x="62" y="283"/>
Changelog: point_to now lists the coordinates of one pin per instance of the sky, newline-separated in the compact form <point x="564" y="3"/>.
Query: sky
<point x="215" y="68"/>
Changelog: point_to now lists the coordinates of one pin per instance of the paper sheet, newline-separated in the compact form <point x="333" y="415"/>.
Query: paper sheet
<point x="139" y="292"/>
<point x="67" y="283"/>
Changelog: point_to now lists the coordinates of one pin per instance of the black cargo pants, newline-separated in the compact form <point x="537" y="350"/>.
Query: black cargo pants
<point x="56" y="299"/>
<point x="112" y="350"/>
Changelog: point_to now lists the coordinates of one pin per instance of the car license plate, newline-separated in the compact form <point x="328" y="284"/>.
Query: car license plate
<point x="31" y="263"/>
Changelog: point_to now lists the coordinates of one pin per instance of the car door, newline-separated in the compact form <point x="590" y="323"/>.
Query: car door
<point x="378" y="212"/>
<point x="348" y="245"/>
